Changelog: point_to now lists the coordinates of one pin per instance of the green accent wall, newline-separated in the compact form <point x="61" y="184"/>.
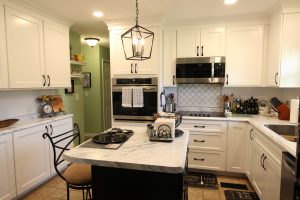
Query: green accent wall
<point x="93" y="109"/>
<point x="74" y="102"/>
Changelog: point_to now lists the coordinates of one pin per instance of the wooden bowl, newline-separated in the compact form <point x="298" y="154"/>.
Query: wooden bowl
<point x="7" y="122"/>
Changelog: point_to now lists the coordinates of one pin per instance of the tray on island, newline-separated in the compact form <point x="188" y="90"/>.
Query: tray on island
<point x="7" y="122"/>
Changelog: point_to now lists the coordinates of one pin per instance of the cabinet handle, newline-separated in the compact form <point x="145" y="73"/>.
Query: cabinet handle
<point x="195" y="126"/>
<point x="47" y="130"/>
<point x="227" y="79"/>
<point x="261" y="160"/>
<point x="202" y="50"/>
<point x="173" y="79"/>
<point x="131" y="68"/>
<point x="44" y="77"/>
<point x="51" y="128"/>
<point x="276" y="77"/>
<point x="263" y="163"/>
<point x="135" y="65"/>
<point x="199" y="159"/>
<point x="49" y="80"/>
<point x="251" y="134"/>
<point x="199" y="141"/>
<point x="197" y="50"/>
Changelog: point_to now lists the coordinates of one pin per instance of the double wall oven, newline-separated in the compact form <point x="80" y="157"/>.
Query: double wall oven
<point x="150" y="92"/>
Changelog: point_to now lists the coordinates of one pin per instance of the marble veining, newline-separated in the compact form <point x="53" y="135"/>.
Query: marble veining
<point x="137" y="153"/>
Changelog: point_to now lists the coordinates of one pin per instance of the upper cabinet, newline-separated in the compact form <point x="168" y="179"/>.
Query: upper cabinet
<point x="3" y="56"/>
<point x="119" y="65"/>
<point x="244" y="55"/>
<point x="37" y="50"/>
<point x="169" y="58"/>
<point x="283" y="67"/>
<point x="205" y="42"/>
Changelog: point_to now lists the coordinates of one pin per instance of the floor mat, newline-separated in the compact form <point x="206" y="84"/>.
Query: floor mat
<point x="240" y="195"/>
<point x="234" y="186"/>
<point x="202" y="180"/>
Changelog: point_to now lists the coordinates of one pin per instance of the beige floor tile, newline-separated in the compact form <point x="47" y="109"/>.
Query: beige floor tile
<point x="211" y="195"/>
<point x="40" y="193"/>
<point x="195" y="193"/>
<point x="59" y="193"/>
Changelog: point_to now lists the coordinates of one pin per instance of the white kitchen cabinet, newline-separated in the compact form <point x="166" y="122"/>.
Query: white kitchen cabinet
<point x="25" y="49"/>
<point x="56" y="128"/>
<point x="244" y="55"/>
<point x="197" y="42"/>
<point x="169" y="58"/>
<point x="3" y="54"/>
<point x="7" y="169"/>
<point x="236" y="147"/>
<point x="248" y="138"/>
<point x="31" y="151"/>
<point x="119" y="64"/>
<point x="57" y="60"/>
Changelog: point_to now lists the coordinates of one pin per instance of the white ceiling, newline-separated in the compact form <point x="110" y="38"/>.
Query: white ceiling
<point x="80" y="11"/>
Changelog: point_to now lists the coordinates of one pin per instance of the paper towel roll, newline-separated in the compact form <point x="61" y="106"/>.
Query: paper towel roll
<point x="294" y="111"/>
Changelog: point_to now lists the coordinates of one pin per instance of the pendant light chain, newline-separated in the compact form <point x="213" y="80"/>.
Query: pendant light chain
<point x="137" y="12"/>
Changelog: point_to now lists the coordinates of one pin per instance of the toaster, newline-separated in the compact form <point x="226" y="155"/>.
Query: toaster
<point x="164" y="130"/>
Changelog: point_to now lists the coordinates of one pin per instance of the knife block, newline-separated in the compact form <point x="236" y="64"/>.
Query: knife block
<point x="283" y="112"/>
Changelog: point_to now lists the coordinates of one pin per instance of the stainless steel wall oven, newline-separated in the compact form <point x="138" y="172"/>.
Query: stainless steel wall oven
<point x="150" y="92"/>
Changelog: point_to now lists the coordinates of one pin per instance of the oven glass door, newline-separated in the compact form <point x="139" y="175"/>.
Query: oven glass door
<point x="131" y="113"/>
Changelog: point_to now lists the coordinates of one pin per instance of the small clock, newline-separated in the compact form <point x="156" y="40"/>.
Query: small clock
<point x="47" y="110"/>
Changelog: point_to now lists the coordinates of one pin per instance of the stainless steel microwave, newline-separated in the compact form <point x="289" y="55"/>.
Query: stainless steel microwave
<point x="200" y="70"/>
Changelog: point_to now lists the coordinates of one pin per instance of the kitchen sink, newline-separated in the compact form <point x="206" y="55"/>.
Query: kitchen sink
<point x="289" y="132"/>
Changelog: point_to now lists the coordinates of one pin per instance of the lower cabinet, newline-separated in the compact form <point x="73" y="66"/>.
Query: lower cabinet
<point x="248" y="141"/>
<point x="7" y="168"/>
<point x="209" y="160"/>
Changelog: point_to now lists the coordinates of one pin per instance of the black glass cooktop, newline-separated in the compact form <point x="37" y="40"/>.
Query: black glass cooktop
<point x="202" y="114"/>
<point x="115" y="135"/>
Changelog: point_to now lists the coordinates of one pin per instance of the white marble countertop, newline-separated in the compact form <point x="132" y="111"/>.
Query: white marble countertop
<point x="136" y="153"/>
<point x="258" y="122"/>
<point x="27" y="123"/>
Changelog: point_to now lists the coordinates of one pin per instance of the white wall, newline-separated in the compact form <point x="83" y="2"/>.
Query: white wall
<point x="20" y="104"/>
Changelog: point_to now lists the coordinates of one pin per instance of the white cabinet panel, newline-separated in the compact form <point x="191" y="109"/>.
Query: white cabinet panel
<point x="213" y="42"/>
<point x="258" y="172"/>
<point x="25" y="49"/>
<point x="57" y="55"/>
<point x="31" y="157"/>
<point x="273" y="171"/>
<point x="248" y="138"/>
<point x="7" y="170"/>
<point x="207" y="141"/>
<point x="188" y="43"/>
<point x="169" y="58"/>
<point x="236" y="147"/>
<point x="3" y="55"/>
<point x="210" y="160"/>
<point x="244" y="55"/>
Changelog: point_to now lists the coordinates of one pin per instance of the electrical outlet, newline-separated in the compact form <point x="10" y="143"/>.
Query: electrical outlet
<point x="77" y="97"/>
<point x="86" y="93"/>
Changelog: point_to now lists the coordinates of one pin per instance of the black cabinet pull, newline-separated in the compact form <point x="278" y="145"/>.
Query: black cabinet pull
<point x="261" y="160"/>
<point x="251" y="134"/>
<point x="51" y="128"/>
<point x="199" y="141"/>
<point x="227" y="79"/>
<point x="135" y="70"/>
<point x="49" y="80"/>
<point x="131" y="68"/>
<point x="195" y="126"/>
<point x="200" y="159"/>
<point x="276" y="77"/>
<point x="47" y="130"/>
<point x="44" y="77"/>
<point x="263" y="163"/>
<point x="173" y="79"/>
<point x="202" y="50"/>
<point x="197" y="50"/>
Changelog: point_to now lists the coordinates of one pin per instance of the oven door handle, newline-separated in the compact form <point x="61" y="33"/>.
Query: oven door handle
<point x="145" y="88"/>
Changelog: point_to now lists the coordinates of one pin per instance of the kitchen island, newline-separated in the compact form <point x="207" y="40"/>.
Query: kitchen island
<point x="139" y="169"/>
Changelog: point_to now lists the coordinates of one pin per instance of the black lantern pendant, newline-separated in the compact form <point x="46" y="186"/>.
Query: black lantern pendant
<point x="137" y="42"/>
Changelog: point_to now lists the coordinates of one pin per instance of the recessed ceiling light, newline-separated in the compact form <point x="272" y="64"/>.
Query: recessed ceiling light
<point x="228" y="2"/>
<point x="98" y="14"/>
<point x="91" y="41"/>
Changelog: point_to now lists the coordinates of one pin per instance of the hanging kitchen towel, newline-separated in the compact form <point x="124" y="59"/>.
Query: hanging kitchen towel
<point x="137" y="97"/>
<point x="127" y="97"/>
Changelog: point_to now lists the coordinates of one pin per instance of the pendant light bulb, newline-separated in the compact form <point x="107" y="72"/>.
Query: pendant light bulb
<point x="91" y="41"/>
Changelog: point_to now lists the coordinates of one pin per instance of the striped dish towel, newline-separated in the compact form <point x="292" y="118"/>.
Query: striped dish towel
<point x="127" y="97"/>
<point x="137" y="97"/>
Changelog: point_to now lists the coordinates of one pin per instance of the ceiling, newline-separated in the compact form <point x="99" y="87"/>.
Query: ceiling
<point x="80" y="11"/>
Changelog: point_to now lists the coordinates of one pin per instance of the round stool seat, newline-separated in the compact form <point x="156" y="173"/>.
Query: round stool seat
<point x="78" y="174"/>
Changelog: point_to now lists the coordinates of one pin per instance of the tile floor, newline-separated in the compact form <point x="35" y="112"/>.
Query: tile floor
<point x="55" y="189"/>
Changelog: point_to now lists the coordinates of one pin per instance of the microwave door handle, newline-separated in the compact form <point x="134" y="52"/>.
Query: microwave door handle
<point x="212" y="72"/>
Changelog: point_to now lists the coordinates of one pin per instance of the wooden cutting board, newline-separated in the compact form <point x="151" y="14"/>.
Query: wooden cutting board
<point x="57" y="104"/>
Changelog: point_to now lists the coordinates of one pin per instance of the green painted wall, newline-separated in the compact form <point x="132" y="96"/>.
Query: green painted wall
<point x="73" y="106"/>
<point x="93" y="111"/>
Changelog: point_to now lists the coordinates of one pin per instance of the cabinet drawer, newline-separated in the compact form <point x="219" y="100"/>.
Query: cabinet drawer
<point x="204" y="126"/>
<point x="208" y="141"/>
<point x="207" y="160"/>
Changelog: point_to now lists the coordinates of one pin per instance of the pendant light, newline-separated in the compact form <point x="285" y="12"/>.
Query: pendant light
<point x="91" y="41"/>
<point x="138" y="41"/>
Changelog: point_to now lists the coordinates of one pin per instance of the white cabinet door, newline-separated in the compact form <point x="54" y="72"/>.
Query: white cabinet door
<point x="3" y="55"/>
<point x="25" y="49"/>
<point x="169" y="56"/>
<point x="56" y="128"/>
<point x="7" y="169"/>
<point x="236" y="147"/>
<point x="213" y="42"/>
<point x="244" y="55"/>
<point x="31" y="157"/>
<point x="273" y="170"/>
<point x="188" y="43"/>
<point x="248" y="138"/>
<point x="290" y="56"/>
<point x="57" y="55"/>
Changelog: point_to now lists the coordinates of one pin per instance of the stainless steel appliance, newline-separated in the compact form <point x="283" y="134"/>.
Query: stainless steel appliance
<point x="146" y="112"/>
<point x="200" y="70"/>
<point x="288" y="177"/>
<point x="202" y="114"/>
